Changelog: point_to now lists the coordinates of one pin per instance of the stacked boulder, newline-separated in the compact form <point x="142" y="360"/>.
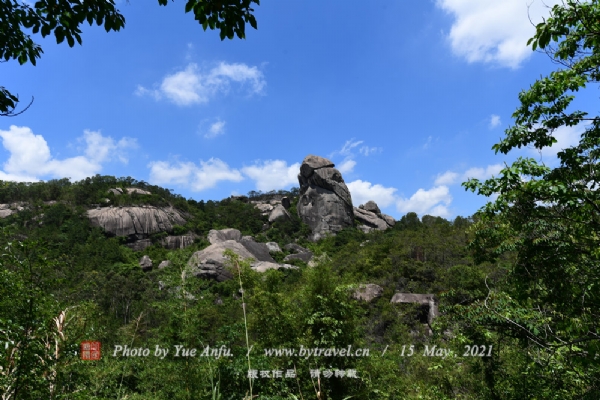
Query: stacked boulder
<point x="325" y="204"/>
<point x="371" y="217"/>
<point x="275" y="208"/>
<point x="212" y="264"/>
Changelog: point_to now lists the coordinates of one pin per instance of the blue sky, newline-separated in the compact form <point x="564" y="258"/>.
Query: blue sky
<point x="406" y="98"/>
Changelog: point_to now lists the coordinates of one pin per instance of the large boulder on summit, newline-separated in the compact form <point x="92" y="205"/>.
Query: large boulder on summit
<point x="138" y="220"/>
<point x="325" y="204"/>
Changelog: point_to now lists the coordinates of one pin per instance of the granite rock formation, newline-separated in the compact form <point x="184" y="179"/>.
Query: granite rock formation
<point x="368" y="292"/>
<point x="210" y="263"/>
<point x="177" y="242"/>
<point x="370" y="217"/>
<point x="279" y="212"/>
<point x="138" y="220"/>
<point x="146" y="263"/>
<point x="427" y="300"/>
<point x="325" y="204"/>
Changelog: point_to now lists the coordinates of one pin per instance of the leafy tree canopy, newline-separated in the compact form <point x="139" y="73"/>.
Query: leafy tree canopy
<point x="64" y="17"/>
<point x="550" y="217"/>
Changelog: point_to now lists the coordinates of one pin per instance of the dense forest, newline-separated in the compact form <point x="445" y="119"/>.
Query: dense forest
<point x="64" y="281"/>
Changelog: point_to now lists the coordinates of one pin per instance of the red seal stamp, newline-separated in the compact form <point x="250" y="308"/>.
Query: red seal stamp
<point x="90" y="350"/>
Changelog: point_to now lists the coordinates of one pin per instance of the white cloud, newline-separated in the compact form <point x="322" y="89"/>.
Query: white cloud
<point x="346" y="166"/>
<point x="273" y="174"/>
<point x="447" y="178"/>
<point x="366" y="150"/>
<point x="188" y="174"/>
<point x="494" y="120"/>
<point x="433" y="202"/>
<point x="30" y="156"/>
<point x="482" y="173"/>
<point x="194" y="86"/>
<point x="566" y="136"/>
<point x="494" y="31"/>
<point x="362" y="191"/>
<point x="216" y="129"/>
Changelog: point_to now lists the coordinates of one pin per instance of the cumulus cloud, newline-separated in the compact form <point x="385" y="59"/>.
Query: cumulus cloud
<point x="272" y="174"/>
<point x="447" y="178"/>
<point x="196" y="177"/>
<point x="216" y="129"/>
<point x="434" y="201"/>
<point x="30" y="156"/>
<point x="346" y="166"/>
<point x="362" y="191"/>
<point x="494" y="31"/>
<point x="566" y="136"/>
<point x="195" y="86"/>
<point x="494" y="120"/>
<point x="482" y="173"/>
<point x="450" y="177"/>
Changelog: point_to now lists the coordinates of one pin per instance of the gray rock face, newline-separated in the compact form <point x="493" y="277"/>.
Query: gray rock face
<point x="368" y="292"/>
<point x="306" y="257"/>
<point x="285" y="202"/>
<point x="211" y="264"/>
<point x="263" y="266"/>
<point x="371" y="206"/>
<point x="146" y="263"/>
<point x="311" y="163"/>
<point x="127" y="221"/>
<point x="136" y="190"/>
<point x="260" y="251"/>
<point x="222" y="235"/>
<point x="299" y="253"/>
<point x="116" y="192"/>
<point x="164" y="264"/>
<point x="273" y="247"/>
<point x="325" y="203"/>
<point x="139" y="245"/>
<point x="423" y="299"/>
<point x="371" y="217"/>
<point x="279" y="212"/>
<point x="177" y="242"/>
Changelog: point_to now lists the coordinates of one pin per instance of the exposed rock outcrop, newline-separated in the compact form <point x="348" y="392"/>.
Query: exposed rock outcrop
<point x="139" y="245"/>
<point x="273" y="247"/>
<point x="279" y="212"/>
<point x="10" y="209"/>
<point x="325" y="204"/>
<point x="370" y="217"/>
<point x="164" y="264"/>
<point x="217" y="236"/>
<point x="146" y="263"/>
<point x="427" y="300"/>
<point x="144" y="220"/>
<point x="136" y="190"/>
<point x="368" y="292"/>
<point x="177" y="242"/>
<point x="212" y="264"/>
<point x="298" y="253"/>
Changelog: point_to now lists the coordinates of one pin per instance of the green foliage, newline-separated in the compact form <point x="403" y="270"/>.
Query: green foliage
<point x="546" y="221"/>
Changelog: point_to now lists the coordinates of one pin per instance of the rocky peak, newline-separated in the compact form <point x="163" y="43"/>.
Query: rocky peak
<point x="325" y="203"/>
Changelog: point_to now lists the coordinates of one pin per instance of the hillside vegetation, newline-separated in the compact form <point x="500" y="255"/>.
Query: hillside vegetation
<point x="64" y="282"/>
